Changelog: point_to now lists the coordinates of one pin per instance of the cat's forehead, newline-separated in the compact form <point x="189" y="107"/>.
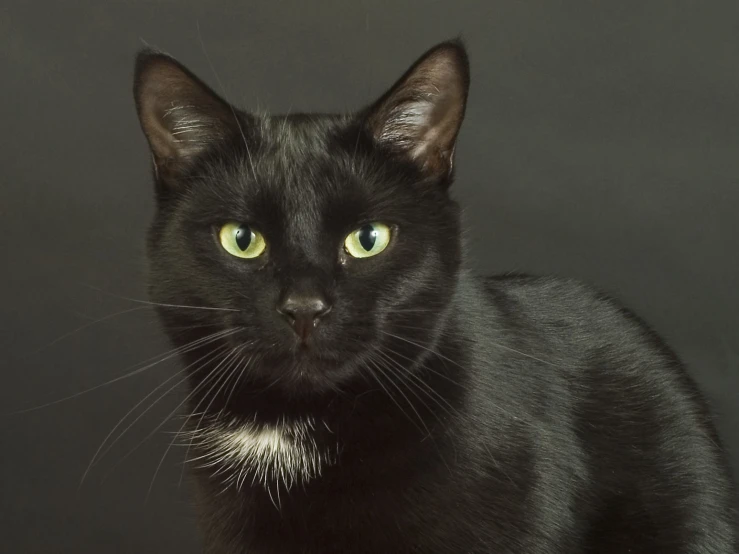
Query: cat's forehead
<point x="298" y="131"/>
<point x="287" y="144"/>
<point x="297" y="172"/>
<point x="305" y="159"/>
<point x="307" y="174"/>
<point x="301" y="159"/>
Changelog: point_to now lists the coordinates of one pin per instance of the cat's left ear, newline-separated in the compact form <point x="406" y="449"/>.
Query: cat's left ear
<point x="420" y="116"/>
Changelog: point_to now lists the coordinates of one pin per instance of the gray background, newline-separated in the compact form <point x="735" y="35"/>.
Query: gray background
<point x="601" y="142"/>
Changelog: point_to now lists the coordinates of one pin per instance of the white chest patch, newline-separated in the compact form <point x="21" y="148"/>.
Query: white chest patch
<point x="285" y="452"/>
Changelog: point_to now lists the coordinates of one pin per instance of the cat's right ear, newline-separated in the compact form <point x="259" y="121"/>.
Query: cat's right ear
<point x="180" y="115"/>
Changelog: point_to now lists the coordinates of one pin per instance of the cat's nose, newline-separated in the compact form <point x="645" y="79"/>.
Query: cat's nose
<point x="303" y="311"/>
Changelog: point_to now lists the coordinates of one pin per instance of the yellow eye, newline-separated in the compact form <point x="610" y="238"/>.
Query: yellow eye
<point x="241" y="241"/>
<point x="368" y="240"/>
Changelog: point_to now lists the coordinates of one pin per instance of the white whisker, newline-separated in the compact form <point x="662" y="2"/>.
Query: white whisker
<point x="120" y="422"/>
<point x="149" y="303"/>
<point x="164" y="357"/>
<point x="215" y="372"/>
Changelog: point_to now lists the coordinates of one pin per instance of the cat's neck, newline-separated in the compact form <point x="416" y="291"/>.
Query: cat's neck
<point x="285" y="451"/>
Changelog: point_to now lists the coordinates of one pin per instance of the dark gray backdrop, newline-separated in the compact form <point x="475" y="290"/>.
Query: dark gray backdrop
<point x="601" y="142"/>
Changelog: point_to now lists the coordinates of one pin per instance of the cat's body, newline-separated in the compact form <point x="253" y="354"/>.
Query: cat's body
<point x="548" y="455"/>
<point x="418" y="408"/>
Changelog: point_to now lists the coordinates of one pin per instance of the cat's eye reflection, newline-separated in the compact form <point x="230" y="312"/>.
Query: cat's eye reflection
<point x="368" y="240"/>
<point x="240" y="240"/>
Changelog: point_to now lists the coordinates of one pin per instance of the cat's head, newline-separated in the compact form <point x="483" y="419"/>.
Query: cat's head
<point x="320" y="247"/>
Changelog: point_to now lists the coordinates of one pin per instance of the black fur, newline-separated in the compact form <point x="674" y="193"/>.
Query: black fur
<point x="458" y="414"/>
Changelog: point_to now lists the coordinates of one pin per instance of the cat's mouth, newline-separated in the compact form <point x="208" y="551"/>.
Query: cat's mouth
<point x="306" y="359"/>
<point x="280" y="360"/>
<point x="302" y="352"/>
<point x="321" y="345"/>
<point x="301" y="360"/>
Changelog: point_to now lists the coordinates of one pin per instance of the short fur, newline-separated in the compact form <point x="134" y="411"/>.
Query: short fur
<point x="431" y="410"/>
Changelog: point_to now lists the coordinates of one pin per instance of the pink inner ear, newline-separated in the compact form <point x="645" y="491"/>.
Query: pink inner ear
<point x="180" y="115"/>
<point x="422" y="114"/>
<point x="439" y="129"/>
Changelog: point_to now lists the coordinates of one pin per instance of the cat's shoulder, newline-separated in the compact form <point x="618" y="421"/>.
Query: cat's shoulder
<point x="566" y="301"/>
<point x="565" y="312"/>
<point x="546" y="290"/>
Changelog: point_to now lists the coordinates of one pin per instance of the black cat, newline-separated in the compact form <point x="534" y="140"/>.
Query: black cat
<point x="354" y="389"/>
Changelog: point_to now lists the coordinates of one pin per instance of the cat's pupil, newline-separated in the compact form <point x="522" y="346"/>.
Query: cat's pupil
<point x="367" y="237"/>
<point x="243" y="237"/>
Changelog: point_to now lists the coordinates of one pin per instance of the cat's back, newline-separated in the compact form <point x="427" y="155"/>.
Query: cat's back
<point x="557" y="302"/>
<point x="564" y="334"/>
<point x="571" y="321"/>
<point x="608" y="400"/>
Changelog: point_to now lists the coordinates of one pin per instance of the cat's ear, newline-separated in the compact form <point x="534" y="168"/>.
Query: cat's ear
<point x="421" y="114"/>
<point x="179" y="114"/>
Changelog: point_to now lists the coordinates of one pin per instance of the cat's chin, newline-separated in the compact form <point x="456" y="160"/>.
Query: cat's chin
<point x="285" y="387"/>
<point x="307" y="372"/>
<point x="298" y="372"/>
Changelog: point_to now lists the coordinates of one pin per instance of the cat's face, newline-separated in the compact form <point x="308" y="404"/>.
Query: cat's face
<point x="323" y="246"/>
